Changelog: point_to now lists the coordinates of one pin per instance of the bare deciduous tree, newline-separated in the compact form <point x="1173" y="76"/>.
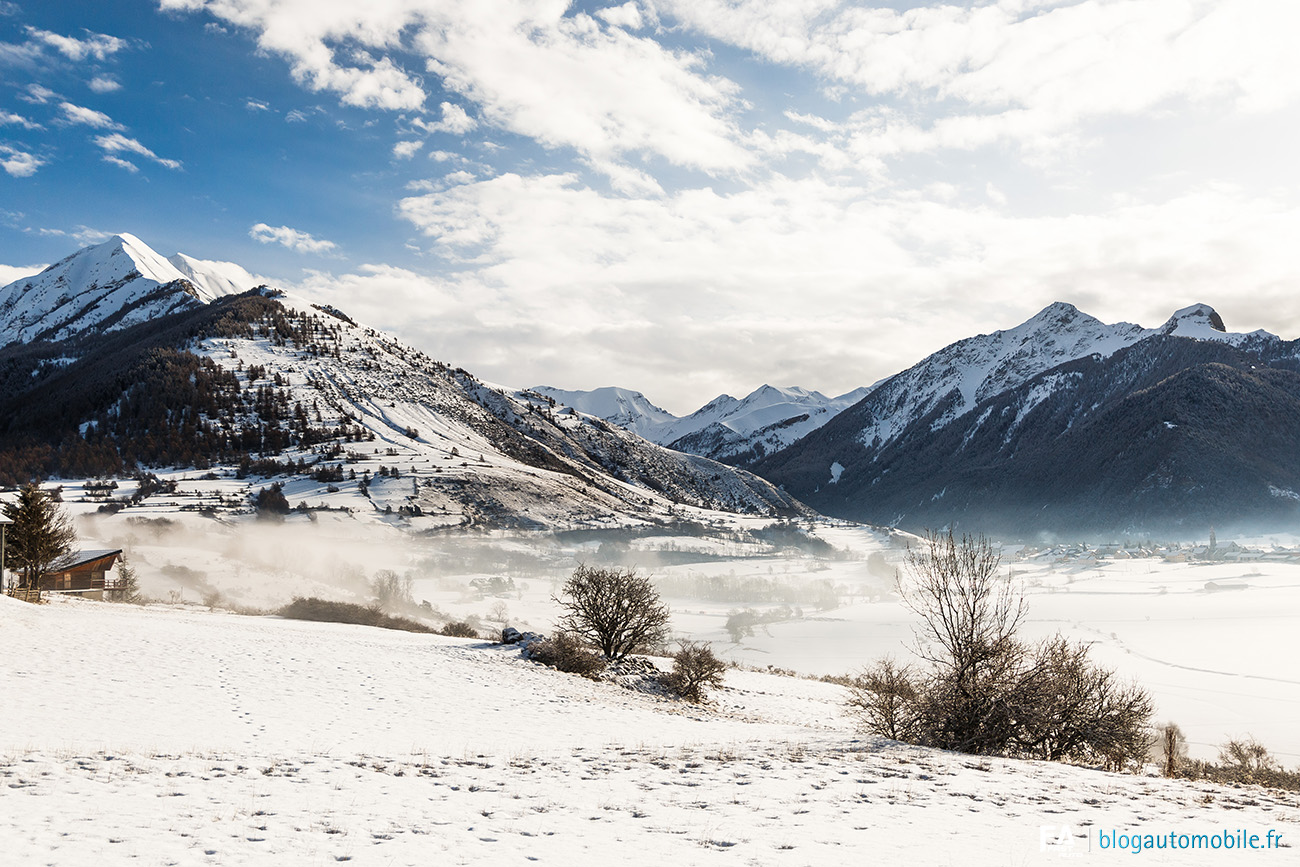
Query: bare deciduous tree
<point x="618" y="611"/>
<point x="968" y="613"/>
<point x="969" y="617"/>
<point x="984" y="691"/>
<point x="1170" y="748"/>
<point x="392" y="591"/>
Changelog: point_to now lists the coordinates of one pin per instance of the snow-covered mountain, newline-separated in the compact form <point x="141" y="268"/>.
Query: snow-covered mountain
<point x="108" y="287"/>
<point x="727" y="429"/>
<point x="997" y="430"/>
<point x="271" y="387"/>
<point x="628" y="409"/>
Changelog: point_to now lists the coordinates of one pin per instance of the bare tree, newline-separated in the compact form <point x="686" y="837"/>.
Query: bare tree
<point x="1170" y="748"/>
<point x="969" y="618"/>
<point x="41" y="534"/>
<point x="616" y="610"/>
<point x="1067" y="707"/>
<point x="968" y="614"/>
<point x="984" y="691"/>
<point x="392" y="591"/>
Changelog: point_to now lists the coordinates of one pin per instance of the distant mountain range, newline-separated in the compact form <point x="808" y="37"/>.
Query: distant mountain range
<point x="1062" y="424"/>
<point x="1065" y="424"/>
<point x="117" y="360"/>
<point x="738" y="432"/>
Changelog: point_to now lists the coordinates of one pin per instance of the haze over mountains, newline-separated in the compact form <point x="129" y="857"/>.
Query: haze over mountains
<point x="117" y="359"/>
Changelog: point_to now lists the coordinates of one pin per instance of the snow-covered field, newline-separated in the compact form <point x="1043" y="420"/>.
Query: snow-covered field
<point x="176" y="736"/>
<point x="1214" y="643"/>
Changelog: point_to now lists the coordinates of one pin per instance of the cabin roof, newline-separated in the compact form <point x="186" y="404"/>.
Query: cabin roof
<point x="73" y="559"/>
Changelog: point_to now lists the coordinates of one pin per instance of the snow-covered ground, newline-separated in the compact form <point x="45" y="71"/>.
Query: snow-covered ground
<point x="174" y="736"/>
<point x="1214" y="643"/>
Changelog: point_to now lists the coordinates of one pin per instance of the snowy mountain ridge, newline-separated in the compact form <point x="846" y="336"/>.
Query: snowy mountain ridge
<point x="983" y="427"/>
<point x="728" y="429"/>
<point x="274" y="389"/>
<point x="958" y="377"/>
<point x="110" y="286"/>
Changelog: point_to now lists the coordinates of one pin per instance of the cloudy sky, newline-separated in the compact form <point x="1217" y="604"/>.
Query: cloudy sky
<point x="684" y="197"/>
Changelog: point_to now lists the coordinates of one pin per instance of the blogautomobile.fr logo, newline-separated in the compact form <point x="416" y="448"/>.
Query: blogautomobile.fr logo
<point x="1057" y="838"/>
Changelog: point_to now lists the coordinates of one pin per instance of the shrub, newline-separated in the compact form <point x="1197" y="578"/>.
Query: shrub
<point x="886" y="700"/>
<point x="983" y="691"/>
<point x="313" y="608"/>
<point x="1242" y="761"/>
<point x="695" y="667"/>
<point x="616" y="610"/>
<point x="459" y="629"/>
<point x="1247" y="757"/>
<point x="567" y="652"/>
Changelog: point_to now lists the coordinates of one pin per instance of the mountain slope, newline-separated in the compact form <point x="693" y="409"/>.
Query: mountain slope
<point x="110" y="286"/>
<point x="1169" y="433"/>
<point x="266" y="385"/>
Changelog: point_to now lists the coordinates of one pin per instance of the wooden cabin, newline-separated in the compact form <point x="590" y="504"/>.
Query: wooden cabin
<point x="81" y="572"/>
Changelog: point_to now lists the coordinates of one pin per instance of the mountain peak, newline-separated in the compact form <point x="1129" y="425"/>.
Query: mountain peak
<point x="108" y="286"/>
<point x="1195" y="318"/>
<point x="1057" y="315"/>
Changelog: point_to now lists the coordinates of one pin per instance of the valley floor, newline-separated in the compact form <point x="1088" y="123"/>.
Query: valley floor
<point x="166" y="736"/>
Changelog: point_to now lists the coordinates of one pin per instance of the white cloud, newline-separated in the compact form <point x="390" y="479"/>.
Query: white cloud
<point x="81" y="234"/>
<point x="118" y="143"/>
<point x="104" y="84"/>
<point x="806" y="281"/>
<point x="1024" y="70"/>
<point x="628" y="15"/>
<point x="37" y="94"/>
<point x="299" y="242"/>
<point x="97" y="45"/>
<point x="23" y="55"/>
<point x="10" y="273"/>
<point x="8" y="117"/>
<point x="121" y="163"/>
<point x="312" y="35"/>
<point x="454" y="120"/>
<point x="86" y="116"/>
<point x="19" y="164"/>
<point x="540" y="70"/>
<point x="404" y="150"/>
<point x="257" y="105"/>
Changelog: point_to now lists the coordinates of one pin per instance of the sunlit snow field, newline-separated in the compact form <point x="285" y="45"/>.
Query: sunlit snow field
<point x="175" y="734"/>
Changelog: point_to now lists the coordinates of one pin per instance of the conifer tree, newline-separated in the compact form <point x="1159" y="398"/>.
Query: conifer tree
<point x="40" y="535"/>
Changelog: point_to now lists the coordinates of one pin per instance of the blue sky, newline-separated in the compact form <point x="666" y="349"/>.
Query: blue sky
<point x="680" y="196"/>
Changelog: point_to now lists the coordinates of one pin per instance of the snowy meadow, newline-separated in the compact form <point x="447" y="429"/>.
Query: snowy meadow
<point x="183" y="732"/>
